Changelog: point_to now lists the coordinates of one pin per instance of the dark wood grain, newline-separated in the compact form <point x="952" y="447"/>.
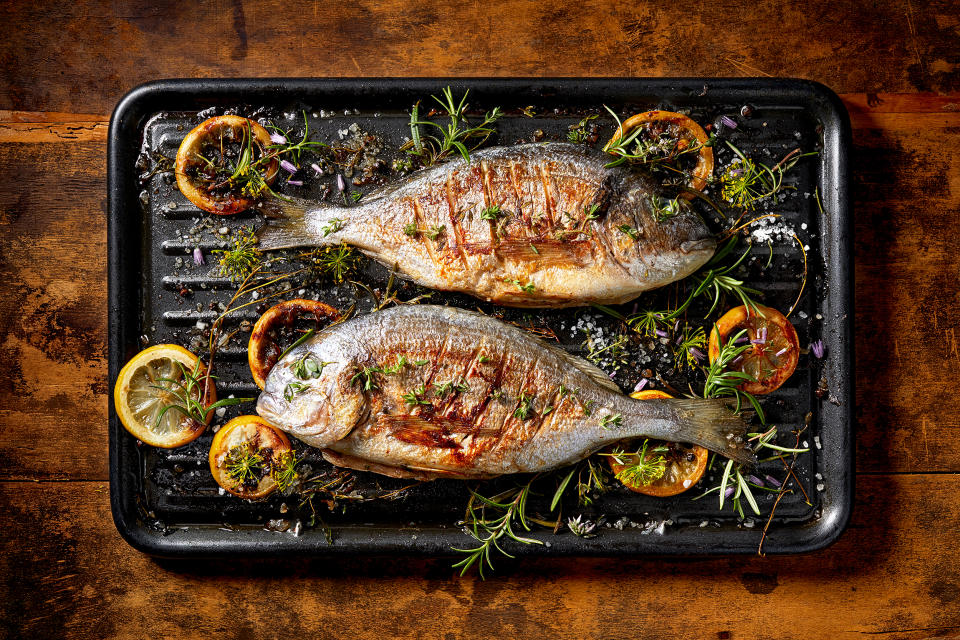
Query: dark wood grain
<point x="67" y="574"/>
<point x="82" y="56"/>
<point x="64" y="570"/>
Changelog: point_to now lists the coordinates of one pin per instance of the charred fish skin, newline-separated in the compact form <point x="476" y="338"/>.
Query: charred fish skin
<point x="533" y="225"/>
<point x="440" y="391"/>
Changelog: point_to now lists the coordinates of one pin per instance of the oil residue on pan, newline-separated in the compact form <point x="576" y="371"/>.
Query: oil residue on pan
<point x="158" y="492"/>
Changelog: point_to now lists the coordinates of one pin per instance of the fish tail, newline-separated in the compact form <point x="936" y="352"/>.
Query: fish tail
<point x="710" y="423"/>
<point x="294" y="222"/>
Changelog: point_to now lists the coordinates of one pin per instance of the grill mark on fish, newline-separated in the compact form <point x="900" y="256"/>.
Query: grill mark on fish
<point x="456" y="232"/>
<point x="517" y="191"/>
<point x="549" y="192"/>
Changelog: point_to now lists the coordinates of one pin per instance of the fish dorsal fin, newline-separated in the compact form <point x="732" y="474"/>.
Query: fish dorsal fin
<point x="594" y="372"/>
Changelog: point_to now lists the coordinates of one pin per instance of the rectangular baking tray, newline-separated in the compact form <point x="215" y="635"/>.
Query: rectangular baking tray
<point x="165" y="503"/>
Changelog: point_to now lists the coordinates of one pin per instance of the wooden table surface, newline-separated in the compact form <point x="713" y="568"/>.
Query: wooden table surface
<point x="64" y="570"/>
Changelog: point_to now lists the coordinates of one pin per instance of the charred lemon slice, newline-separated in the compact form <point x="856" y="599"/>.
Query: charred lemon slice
<point x="682" y="465"/>
<point x="245" y="456"/>
<point x="263" y="349"/>
<point x="669" y="137"/>
<point x="152" y="391"/>
<point x="774" y="346"/>
<point x="224" y="164"/>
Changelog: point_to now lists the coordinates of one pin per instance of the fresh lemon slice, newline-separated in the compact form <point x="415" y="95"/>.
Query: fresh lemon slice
<point x="150" y="383"/>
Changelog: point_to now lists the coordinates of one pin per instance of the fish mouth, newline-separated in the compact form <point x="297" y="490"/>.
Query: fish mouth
<point x="699" y="245"/>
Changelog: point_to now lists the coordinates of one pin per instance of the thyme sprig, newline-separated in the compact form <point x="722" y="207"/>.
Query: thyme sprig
<point x="457" y="136"/>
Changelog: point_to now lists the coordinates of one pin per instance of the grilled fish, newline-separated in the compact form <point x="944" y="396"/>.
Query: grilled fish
<point x="533" y="225"/>
<point x="430" y="391"/>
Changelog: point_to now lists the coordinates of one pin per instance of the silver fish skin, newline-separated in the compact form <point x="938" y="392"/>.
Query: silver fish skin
<point x="513" y="226"/>
<point x="430" y="391"/>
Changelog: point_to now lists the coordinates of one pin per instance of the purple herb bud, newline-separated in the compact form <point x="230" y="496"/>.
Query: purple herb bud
<point x="782" y="351"/>
<point x="277" y="138"/>
<point x="737" y="360"/>
<point x="773" y="481"/>
<point x="696" y="353"/>
<point x="316" y="169"/>
<point x="198" y="256"/>
<point x="640" y="385"/>
<point x="298" y="183"/>
<point x="676" y="326"/>
<point x="763" y="333"/>
<point x="288" y="166"/>
<point x="341" y="185"/>
<point x="728" y="492"/>
<point x="662" y="333"/>
<point x="758" y="341"/>
<point x="817" y="348"/>
<point x="728" y="122"/>
<point x="741" y="339"/>
<point x="755" y="480"/>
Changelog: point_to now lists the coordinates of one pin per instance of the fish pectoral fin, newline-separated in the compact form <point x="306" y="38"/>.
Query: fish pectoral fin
<point x="359" y="464"/>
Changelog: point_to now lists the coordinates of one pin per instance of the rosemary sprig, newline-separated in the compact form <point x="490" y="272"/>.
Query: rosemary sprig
<point x="188" y="394"/>
<point x="457" y="136"/>
<point x="490" y="529"/>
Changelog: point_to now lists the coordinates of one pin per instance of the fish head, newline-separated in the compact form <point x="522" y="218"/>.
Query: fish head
<point x="658" y="250"/>
<point x="321" y="407"/>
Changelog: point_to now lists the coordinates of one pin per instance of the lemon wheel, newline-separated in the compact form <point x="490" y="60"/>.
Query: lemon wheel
<point x="683" y="464"/>
<point x="248" y="455"/>
<point x="151" y="384"/>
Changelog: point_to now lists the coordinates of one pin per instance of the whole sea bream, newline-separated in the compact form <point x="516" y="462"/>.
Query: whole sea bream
<point x="430" y="391"/>
<point x="532" y="225"/>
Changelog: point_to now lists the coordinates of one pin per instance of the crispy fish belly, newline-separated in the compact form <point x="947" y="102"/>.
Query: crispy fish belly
<point x="535" y="225"/>
<point x="430" y="391"/>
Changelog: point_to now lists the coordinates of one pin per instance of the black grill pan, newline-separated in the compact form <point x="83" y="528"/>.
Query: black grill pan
<point x="165" y="503"/>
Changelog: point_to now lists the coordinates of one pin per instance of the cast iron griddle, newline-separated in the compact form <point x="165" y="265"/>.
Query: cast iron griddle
<point x="166" y="503"/>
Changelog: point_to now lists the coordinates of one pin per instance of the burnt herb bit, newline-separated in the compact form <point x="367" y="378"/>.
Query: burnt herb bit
<point x="527" y="288"/>
<point x="242" y="257"/>
<point x="415" y="397"/>
<point x="411" y="229"/>
<point x="630" y="231"/>
<point x="245" y="464"/>
<point x="524" y="408"/>
<point x="458" y="136"/>
<point x="577" y="133"/>
<point x="611" y="420"/>
<point x="335" y="224"/>
<point x="188" y="394"/>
